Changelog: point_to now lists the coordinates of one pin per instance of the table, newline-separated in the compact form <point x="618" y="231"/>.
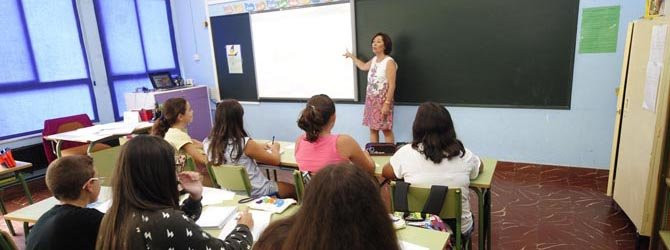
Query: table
<point x="481" y="185"/>
<point x="15" y="172"/>
<point x="97" y="133"/>
<point x="423" y="237"/>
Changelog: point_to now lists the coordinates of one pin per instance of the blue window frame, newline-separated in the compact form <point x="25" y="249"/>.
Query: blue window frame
<point x="44" y="70"/>
<point x="137" y="39"/>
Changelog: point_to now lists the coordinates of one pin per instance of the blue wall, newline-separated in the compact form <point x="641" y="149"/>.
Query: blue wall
<point x="581" y="136"/>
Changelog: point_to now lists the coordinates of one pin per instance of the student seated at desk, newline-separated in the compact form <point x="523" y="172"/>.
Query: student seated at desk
<point x="319" y="147"/>
<point x="176" y="114"/>
<point x="342" y="209"/>
<point x="229" y="143"/>
<point x="69" y="225"/>
<point x="436" y="157"/>
<point x="145" y="211"/>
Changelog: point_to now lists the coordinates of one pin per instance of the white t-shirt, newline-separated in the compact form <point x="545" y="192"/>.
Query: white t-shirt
<point x="413" y="166"/>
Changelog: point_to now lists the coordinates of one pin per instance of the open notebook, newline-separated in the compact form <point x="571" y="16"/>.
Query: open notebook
<point x="261" y="221"/>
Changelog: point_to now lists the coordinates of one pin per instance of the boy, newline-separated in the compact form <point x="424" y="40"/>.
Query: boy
<point x="69" y="225"/>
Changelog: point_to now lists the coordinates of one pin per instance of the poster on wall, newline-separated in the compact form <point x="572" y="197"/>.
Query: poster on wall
<point x="234" y="55"/>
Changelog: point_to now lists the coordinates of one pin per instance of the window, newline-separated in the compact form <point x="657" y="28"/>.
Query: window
<point x="43" y="71"/>
<point x="137" y="39"/>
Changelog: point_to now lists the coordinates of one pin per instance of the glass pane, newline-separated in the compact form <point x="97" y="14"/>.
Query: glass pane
<point x="156" y="34"/>
<point x="30" y="108"/>
<point x="15" y="65"/>
<point x="121" y="36"/>
<point x="55" y="40"/>
<point x="127" y="86"/>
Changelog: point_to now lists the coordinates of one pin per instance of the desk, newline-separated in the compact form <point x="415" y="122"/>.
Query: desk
<point x="95" y="134"/>
<point x="6" y="173"/>
<point x="481" y="185"/>
<point x="423" y="237"/>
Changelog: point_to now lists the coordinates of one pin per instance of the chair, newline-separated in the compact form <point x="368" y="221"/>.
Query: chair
<point x="65" y="124"/>
<point x="230" y="177"/>
<point x="451" y="209"/>
<point x="299" y="185"/>
<point x="7" y="242"/>
<point x="104" y="162"/>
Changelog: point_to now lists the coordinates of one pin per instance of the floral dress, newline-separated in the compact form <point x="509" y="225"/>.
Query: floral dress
<point x="376" y="95"/>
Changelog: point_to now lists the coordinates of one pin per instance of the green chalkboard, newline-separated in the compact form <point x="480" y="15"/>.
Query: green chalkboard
<point x="492" y="53"/>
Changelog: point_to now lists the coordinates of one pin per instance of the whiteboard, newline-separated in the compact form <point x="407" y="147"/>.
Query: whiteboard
<point x="298" y="52"/>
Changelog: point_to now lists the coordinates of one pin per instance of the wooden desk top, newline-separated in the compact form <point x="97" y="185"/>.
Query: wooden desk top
<point x="482" y="181"/>
<point x="98" y="132"/>
<point x="20" y="165"/>
<point x="423" y="237"/>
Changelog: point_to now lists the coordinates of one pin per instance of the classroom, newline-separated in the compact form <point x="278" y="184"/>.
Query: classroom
<point x="558" y="111"/>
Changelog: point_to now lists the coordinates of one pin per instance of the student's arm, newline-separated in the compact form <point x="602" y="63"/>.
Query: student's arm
<point x="364" y="66"/>
<point x="197" y="155"/>
<point x="259" y="153"/>
<point x="388" y="172"/>
<point x="349" y="148"/>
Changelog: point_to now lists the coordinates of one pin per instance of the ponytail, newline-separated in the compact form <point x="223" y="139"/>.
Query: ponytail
<point x="170" y="111"/>
<point x="315" y="116"/>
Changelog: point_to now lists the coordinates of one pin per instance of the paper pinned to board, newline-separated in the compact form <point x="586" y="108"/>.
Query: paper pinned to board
<point x="234" y="56"/>
<point x="651" y="82"/>
<point x="657" y="47"/>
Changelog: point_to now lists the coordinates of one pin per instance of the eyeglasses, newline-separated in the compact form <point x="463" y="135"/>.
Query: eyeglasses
<point x="99" y="179"/>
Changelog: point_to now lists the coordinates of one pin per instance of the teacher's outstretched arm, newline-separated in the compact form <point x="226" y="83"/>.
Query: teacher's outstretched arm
<point x="364" y="66"/>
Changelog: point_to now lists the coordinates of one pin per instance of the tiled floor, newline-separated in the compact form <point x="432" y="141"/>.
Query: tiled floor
<point x="534" y="207"/>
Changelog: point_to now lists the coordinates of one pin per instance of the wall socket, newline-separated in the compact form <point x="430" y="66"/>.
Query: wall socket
<point x="196" y="57"/>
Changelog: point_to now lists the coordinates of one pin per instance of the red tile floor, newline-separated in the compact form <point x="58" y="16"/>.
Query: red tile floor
<point x="533" y="207"/>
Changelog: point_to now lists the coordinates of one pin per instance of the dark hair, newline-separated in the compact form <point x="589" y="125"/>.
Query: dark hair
<point x="228" y="129"/>
<point x="170" y="111"/>
<point x="342" y="209"/>
<point x="144" y="180"/>
<point x="316" y="115"/>
<point x="434" y="130"/>
<point x="67" y="175"/>
<point x="388" y="44"/>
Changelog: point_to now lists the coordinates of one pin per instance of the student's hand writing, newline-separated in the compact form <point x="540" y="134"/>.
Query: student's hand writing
<point x="191" y="183"/>
<point x="246" y="218"/>
<point x="273" y="147"/>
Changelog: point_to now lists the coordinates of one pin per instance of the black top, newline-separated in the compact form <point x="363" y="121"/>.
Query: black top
<point x="65" y="227"/>
<point x="174" y="229"/>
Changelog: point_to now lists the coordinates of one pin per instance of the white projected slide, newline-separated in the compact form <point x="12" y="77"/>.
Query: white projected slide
<point x="298" y="52"/>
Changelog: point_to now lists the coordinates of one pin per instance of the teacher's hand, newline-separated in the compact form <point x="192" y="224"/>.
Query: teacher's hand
<point x="386" y="110"/>
<point x="347" y="54"/>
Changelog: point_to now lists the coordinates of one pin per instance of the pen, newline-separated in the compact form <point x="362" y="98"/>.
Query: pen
<point x="273" y="140"/>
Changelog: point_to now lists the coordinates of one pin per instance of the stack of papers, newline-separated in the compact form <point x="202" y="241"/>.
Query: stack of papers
<point x="216" y="217"/>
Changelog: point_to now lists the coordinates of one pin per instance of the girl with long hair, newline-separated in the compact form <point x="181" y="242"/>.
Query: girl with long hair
<point x="176" y="114"/>
<point x="319" y="147"/>
<point x="436" y="157"/>
<point x="145" y="211"/>
<point x="342" y="209"/>
<point x="229" y="143"/>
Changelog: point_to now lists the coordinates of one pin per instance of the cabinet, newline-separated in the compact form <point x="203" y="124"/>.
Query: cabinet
<point x="197" y="96"/>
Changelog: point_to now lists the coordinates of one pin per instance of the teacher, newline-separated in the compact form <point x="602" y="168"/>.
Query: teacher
<point x="378" y="114"/>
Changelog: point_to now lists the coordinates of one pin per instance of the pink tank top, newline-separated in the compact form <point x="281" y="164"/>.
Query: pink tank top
<point x="313" y="156"/>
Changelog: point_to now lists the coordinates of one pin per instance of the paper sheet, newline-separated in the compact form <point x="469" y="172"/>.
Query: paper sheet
<point x="234" y="56"/>
<point x="261" y="221"/>
<point x="404" y="245"/>
<point x="213" y="196"/>
<point x="651" y="82"/>
<point x="657" y="48"/>
<point x="214" y="217"/>
<point x="599" y="30"/>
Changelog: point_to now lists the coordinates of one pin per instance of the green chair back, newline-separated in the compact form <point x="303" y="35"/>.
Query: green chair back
<point x="451" y="209"/>
<point x="6" y="241"/>
<point x="104" y="162"/>
<point x="231" y="177"/>
<point x="299" y="185"/>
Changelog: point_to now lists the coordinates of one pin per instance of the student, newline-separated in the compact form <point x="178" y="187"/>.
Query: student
<point x="436" y="157"/>
<point x="342" y="209"/>
<point x="145" y="211"/>
<point x="229" y="143"/>
<point x="319" y="147"/>
<point x="71" y="179"/>
<point x="176" y="114"/>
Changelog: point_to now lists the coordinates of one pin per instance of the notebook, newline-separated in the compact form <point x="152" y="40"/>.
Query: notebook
<point x="216" y="217"/>
<point x="261" y="221"/>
